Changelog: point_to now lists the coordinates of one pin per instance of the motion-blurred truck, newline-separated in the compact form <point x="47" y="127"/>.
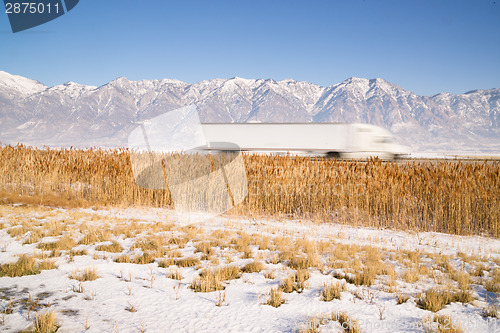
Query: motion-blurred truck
<point x="336" y="140"/>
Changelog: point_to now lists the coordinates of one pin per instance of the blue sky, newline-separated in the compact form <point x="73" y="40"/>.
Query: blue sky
<point x="424" y="46"/>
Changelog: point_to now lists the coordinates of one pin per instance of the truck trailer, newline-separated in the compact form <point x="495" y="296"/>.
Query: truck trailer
<point x="336" y="140"/>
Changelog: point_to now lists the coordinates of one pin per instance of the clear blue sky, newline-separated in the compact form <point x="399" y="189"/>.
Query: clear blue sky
<point x="424" y="46"/>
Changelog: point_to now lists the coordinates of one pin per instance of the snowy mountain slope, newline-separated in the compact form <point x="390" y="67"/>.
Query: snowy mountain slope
<point x="12" y="85"/>
<point x="78" y="115"/>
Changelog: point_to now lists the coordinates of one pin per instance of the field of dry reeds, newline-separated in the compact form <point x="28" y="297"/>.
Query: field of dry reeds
<point x="450" y="197"/>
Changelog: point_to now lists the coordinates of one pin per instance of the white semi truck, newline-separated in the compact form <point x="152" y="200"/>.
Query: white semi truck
<point x="351" y="141"/>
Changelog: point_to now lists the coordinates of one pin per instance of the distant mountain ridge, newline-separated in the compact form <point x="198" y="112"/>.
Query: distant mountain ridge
<point x="72" y="114"/>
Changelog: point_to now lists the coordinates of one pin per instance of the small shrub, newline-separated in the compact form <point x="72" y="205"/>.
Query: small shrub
<point x="493" y="285"/>
<point x="175" y="274"/>
<point x="166" y="263"/>
<point x="228" y="272"/>
<point x="174" y="254"/>
<point x="462" y="278"/>
<point x="401" y="298"/>
<point x="275" y="298"/>
<point x="83" y="252"/>
<point x="207" y="283"/>
<point x="410" y="276"/>
<point x="24" y="266"/>
<point x="88" y="274"/>
<point x="463" y="296"/>
<point x="47" y="265"/>
<point x="123" y="259"/>
<point x="364" y="278"/>
<point x="348" y="325"/>
<point x="144" y="259"/>
<point x="441" y="324"/>
<point x="300" y="278"/>
<point x="255" y="266"/>
<point x="62" y="244"/>
<point x="114" y="247"/>
<point x="434" y="299"/>
<point x="180" y="242"/>
<point x="205" y="247"/>
<point x="304" y="262"/>
<point x="149" y="244"/>
<point x="94" y="237"/>
<point x="131" y="307"/>
<point x="490" y="311"/>
<point x="17" y="231"/>
<point x="313" y="325"/>
<point x="288" y="285"/>
<point x="413" y="256"/>
<point x="211" y="279"/>
<point x="332" y="291"/>
<point x="187" y="262"/>
<point x="45" y="323"/>
<point x="34" y="237"/>
<point x="296" y="282"/>
<point x="478" y="270"/>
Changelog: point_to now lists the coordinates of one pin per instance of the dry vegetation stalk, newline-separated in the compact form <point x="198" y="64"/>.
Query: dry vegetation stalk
<point x="450" y="197"/>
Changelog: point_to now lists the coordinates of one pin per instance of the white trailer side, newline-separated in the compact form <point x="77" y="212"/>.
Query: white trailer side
<point x="321" y="138"/>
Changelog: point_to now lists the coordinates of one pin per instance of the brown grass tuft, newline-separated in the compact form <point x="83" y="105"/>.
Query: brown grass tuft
<point x="24" y="266"/>
<point x="114" y="247"/>
<point x="332" y="291"/>
<point x="253" y="267"/>
<point x="45" y="323"/>
<point x="88" y="274"/>
<point x="187" y="262"/>
<point x="441" y="324"/>
<point x="275" y="298"/>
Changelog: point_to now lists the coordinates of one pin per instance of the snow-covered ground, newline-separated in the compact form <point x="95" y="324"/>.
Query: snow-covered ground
<point x="130" y="297"/>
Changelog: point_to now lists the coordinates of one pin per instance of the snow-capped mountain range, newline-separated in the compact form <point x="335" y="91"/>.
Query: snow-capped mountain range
<point x="72" y="114"/>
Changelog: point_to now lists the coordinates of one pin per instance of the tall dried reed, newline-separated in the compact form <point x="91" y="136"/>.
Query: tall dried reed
<point x="451" y="197"/>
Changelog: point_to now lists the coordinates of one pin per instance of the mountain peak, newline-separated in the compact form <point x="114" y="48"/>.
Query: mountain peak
<point x="288" y="81"/>
<point x="20" y="84"/>
<point x="354" y="79"/>
<point x="237" y="79"/>
<point x="379" y="80"/>
<point x="121" y="79"/>
<point x="72" y="89"/>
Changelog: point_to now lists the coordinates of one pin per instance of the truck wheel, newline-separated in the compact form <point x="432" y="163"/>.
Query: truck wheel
<point x="333" y="154"/>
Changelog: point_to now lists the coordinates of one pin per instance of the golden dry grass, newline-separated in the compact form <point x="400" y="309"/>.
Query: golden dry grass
<point x="88" y="274"/>
<point x="441" y="324"/>
<point x="114" y="247"/>
<point x="401" y="298"/>
<point x="295" y="282"/>
<point x="254" y="266"/>
<point x="211" y="279"/>
<point x="493" y="284"/>
<point x="435" y="299"/>
<point x="23" y="266"/>
<point x="45" y="323"/>
<point x="174" y="274"/>
<point x="275" y="298"/>
<point x="187" y="262"/>
<point x="490" y="311"/>
<point x="347" y="324"/>
<point x="332" y="291"/>
<point x="64" y="243"/>
<point x="457" y="198"/>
